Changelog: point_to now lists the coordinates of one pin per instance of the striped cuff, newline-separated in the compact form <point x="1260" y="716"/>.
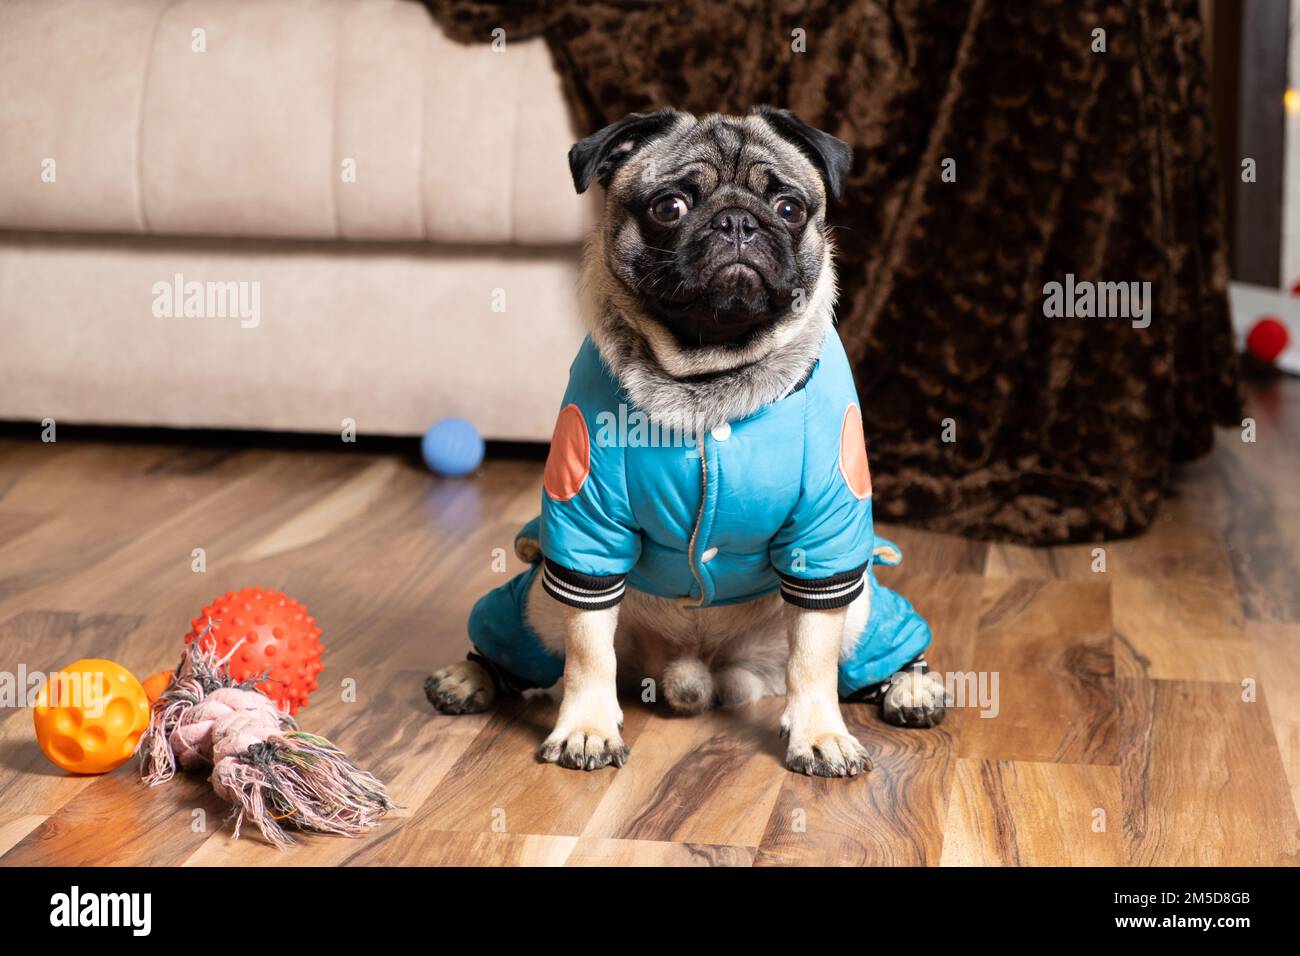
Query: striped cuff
<point x="823" y="594"/>
<point x="588" y="591"/>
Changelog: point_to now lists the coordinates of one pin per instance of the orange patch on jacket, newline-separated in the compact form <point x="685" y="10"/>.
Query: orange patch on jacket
<point x="569" y="462"/>
<point x="853" y="454"/>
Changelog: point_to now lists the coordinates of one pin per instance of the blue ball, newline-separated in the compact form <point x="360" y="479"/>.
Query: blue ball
<point x="452" y="447"/>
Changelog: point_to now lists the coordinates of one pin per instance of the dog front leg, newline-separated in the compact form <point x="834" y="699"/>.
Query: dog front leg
<point x="818" y="743"/>
<point x="587" y="734"/>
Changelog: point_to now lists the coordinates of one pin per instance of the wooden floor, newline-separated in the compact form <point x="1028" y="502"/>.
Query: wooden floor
<point x="1126" y="731"/>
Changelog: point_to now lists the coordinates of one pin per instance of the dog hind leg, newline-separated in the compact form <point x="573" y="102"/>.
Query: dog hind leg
<point x="464" y="687"/>
<point x="915" y="698"/>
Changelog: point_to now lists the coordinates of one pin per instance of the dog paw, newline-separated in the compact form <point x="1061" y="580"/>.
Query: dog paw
<point x="463" y="688"/>
<point x="584" y="749"/>
<point x="818" y="743"/>
<point x="586" y="736"/>
<point x="831" y="754"/>
<point x="914" y="699"/>
<point x="688" y="686"/>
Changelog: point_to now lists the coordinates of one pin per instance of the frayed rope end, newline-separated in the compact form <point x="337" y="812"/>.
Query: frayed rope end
<point x="290" y="779"/>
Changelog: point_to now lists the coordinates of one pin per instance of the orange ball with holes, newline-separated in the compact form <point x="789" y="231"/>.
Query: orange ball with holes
<point x="270" y="634"/>
<point x="90" y="715"/>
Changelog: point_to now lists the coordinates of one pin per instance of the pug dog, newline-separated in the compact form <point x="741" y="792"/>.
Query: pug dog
<point x="705" y="532"/>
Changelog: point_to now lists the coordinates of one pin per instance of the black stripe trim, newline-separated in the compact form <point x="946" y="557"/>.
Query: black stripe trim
<point x="575" y="599"/>
<point x="809" y="603"/>
<point x="832" y="583"/>
<point x="584" y="582"/>
<point x="590" y="592"/>
<point x="874" y="693"/>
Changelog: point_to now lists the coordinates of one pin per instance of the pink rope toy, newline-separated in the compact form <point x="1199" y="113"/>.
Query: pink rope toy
<point x="264" y="766"/>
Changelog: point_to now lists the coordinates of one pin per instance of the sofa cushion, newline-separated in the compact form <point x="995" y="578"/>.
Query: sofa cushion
<point x="385" y="334"/>
<point x="319" y="119"/>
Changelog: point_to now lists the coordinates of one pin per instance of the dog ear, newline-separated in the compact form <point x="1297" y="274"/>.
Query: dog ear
<point x="601" y="153"/>
<point x="832" y="157"/>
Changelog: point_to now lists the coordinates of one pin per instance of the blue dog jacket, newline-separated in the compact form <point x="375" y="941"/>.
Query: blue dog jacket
<point x="778" y="500"/>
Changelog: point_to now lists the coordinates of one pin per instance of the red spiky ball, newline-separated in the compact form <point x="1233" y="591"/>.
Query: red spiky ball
<point x="278" y="636"/>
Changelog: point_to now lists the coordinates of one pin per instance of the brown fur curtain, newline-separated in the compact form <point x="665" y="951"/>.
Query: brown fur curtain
<point x="1067" y="161"/>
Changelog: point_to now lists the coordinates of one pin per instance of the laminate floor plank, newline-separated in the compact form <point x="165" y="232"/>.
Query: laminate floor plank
<point x="1202" y="780"/>
<point x="1146" y="712"/>
<point x="1018" y="813"/>
<point x="1041" y="686"/>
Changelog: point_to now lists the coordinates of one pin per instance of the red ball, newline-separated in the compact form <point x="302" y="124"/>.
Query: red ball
<point x="1267" y="339"/>
<point x="272" y="634"/>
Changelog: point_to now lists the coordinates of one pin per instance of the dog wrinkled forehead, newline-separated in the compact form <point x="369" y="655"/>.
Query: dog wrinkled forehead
<point x="643" y="147"/>
<point x="717" y="150"/>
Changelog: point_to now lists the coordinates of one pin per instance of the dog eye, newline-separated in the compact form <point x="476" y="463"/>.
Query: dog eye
<point x="791" y="210"/>
<point x="669" y="208"/>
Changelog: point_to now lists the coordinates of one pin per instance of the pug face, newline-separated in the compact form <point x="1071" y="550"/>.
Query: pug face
<point x="715" y="227"/>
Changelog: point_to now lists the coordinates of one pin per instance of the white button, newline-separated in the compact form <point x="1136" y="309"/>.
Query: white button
<point x="722" y="432"/>
<point x="709" y="555"/>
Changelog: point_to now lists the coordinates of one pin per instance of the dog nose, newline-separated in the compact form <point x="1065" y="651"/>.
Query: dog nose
<point x="735" y="225"/>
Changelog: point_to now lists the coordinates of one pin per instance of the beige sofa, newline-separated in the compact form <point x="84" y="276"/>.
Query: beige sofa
<point x="364" y="220"/>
